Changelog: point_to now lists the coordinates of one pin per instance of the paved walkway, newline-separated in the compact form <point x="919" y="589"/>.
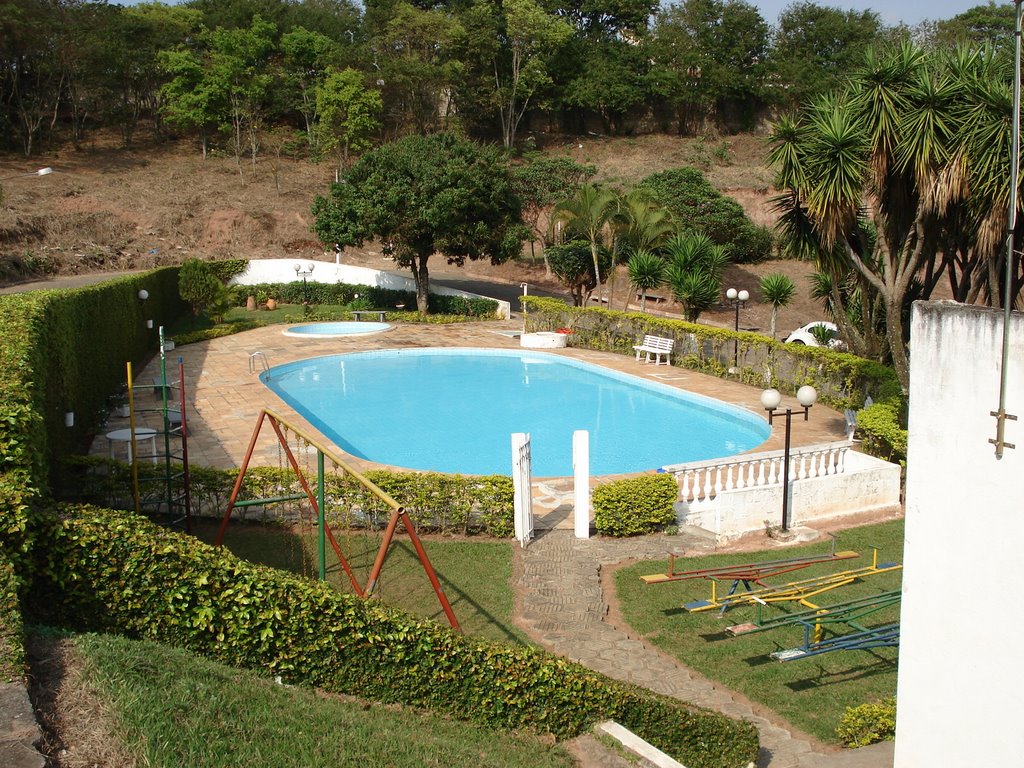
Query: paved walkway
<point x="563" y="609"/>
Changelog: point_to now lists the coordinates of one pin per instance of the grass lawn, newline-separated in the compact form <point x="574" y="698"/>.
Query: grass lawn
<point x="812" y="693"/>
<point x="476" y="575"/>
<point x="172" y="709"/>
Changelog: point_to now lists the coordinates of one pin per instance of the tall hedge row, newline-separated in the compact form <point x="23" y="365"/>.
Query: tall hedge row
<point x="65" y="351"/>
<point x="12" y="648"/>
<point x="437" y="503"/>
<point x="114" y="571"/>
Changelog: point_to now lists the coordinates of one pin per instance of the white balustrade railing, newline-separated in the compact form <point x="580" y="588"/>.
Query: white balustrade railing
<point x="701" y="481"/>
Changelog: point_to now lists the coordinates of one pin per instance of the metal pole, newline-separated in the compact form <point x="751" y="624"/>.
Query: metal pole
<point x="321" y="516"/>
<point x="736" y="340"/>
<point x="1000" y="414"/>
<point x="785" y="474"/>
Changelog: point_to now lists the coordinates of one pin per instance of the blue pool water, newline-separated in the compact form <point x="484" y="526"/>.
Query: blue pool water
<point x="347" y="328"/>
<point x="453" y="410"/>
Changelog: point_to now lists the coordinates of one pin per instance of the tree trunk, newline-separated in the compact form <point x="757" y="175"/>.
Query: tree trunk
<point x="422" y="278"/>
<point x="894" y="335"/>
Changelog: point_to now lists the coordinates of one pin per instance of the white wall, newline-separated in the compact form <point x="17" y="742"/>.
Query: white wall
<point x="866" y="485"/>
<point x="283" y="271"/>
<point x="960" y="696"/>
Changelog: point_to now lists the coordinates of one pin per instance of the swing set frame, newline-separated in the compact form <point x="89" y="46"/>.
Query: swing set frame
<point x="317" y="502"/>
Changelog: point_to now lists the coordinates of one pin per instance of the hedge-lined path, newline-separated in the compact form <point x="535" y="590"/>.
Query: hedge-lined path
<point x="561" y="605"/>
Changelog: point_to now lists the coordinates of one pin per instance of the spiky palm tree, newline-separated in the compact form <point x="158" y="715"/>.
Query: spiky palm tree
<point x="695" y="270"/>
<point x="588" y="214"/>
<point x="778" y="290"/>
<point x="646" y="272"/>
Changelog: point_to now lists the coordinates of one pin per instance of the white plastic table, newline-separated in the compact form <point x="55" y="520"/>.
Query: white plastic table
<point x="125" y="436"/>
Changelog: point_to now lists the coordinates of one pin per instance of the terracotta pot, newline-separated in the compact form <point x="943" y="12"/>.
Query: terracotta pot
<point x="250" y="303"/>
<point x="271" y="304"/>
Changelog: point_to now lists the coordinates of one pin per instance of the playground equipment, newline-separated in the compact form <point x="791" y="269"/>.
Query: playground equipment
<point x="816" y="618"/>
<point x="746" y="572"/>
<point x="317" y="502"/>
<point x="886" y="636"/>
<point x="173" y="496"/>
<point x="797" y="591"/>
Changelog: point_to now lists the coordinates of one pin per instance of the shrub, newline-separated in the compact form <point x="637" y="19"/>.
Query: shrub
<point x="868" y="723"/>
<point x="699" y="207"/>
<point x="365" y="297"/>
<point x="882" y="434"/>
<point x="636" y="505"/>
<point x="197" y="284"/>
<point x="12" y="649"/>
<point x="114" y="571"/>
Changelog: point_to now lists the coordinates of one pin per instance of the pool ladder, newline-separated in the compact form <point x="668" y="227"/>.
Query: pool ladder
<point x="257" y="361"/>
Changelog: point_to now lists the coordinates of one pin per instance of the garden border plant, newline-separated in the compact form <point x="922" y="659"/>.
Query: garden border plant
<point x="114" y="571"/>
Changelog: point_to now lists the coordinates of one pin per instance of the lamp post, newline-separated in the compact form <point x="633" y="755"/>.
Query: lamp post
<point x="738" y="299"/>
<point x="304" y="273"/>
<point x="770" y="399"/>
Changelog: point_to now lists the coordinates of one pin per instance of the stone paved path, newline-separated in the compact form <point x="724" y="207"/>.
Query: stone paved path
<point x="563" y="609"/>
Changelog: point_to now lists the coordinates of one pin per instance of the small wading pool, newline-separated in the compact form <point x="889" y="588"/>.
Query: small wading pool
<point x="331" y="330"/>
<point x="453" y="410"/>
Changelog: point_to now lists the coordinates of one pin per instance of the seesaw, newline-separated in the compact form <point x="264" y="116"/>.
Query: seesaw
<point x="796" y="591"/>
<point x="746" y="572"/>
<point x="877" y="637"/>
<point x="849" y="612"/>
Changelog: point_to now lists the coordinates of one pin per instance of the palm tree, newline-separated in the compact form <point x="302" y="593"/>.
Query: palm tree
<point x="646" y="272"/>
<point x="695" y="270"/>
<point x="641" y="224"/>
<point x="588" y="214"/>
<point x="778" y="290"/>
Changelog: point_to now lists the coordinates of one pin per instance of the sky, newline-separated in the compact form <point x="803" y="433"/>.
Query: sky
<point x="891" y="11"/>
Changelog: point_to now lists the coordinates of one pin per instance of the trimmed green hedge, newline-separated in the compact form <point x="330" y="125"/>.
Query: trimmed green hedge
<point x="65" y="350"/>
<point x="12" y="641"/>
<point x="636" y="505"/>
<point x="437" y="503"/>
<point x="369" y="297"/>
<point x="113" y="571"/>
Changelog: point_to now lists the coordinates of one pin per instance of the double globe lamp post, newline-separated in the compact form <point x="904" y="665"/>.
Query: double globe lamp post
<point x="738" y="299"/>
<point x="770" y="399"/>
<point x="304" y="273"/>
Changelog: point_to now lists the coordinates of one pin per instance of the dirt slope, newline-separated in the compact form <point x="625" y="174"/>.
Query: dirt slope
<point x="105" y="208"/>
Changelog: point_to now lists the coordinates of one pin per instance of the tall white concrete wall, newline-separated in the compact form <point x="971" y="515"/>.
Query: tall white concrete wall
<point x="960" y="695"/>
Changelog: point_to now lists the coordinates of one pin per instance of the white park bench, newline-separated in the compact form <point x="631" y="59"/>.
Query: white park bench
<point x="658" y="346"/>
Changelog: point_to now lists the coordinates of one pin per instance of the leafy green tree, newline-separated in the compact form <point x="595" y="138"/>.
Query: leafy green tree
<point x="695" y="271"/>
<point x="521" y="72"/>
<point x="588" y="214"/>
<point x="778" y="290"/>
<point x="423" y="195"/>
<point x="192" y="98"/>
<point x="609" y="78"/>
<point x="713" y="53"/>
<point x="983" y="24"/>
<point x="349" y="113"/>
<point x="647" y="271"/>
<point x="815" y="47"/>
<point x="541" y="182"/>
<point x="696" y="206"/>
<point x="414" y="51"/>
<point x="572" y="263"/>
<point x="306" y="56"/>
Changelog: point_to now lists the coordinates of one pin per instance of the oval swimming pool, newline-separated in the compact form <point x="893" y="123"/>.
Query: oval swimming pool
<point x="331" y="330"/>
<point x="453" y="410"/>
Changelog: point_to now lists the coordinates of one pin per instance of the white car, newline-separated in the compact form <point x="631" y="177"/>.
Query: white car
<point x="804" y="335"/>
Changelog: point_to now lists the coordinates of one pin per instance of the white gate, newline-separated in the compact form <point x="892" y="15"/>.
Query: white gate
<point x="523" y="486"/>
